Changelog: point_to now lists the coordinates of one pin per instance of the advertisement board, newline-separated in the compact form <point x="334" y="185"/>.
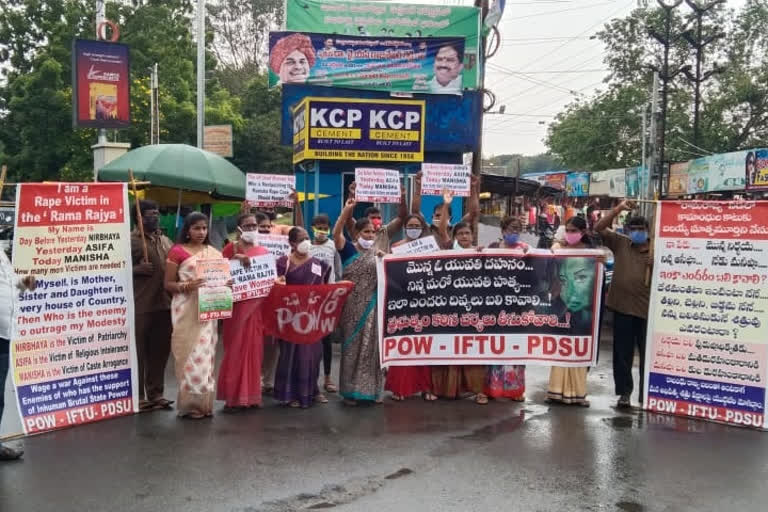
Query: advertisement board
<point x="101" y="83"/>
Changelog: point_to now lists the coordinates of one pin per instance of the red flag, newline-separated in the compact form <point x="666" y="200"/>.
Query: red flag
<point x="304" y="313"/>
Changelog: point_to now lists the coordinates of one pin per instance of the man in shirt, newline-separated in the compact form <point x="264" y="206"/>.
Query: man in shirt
<point x="10" y="286"/>
<point x="628" y="296"/>
<point x="449" y="63"/>
<point x="152" y="307"/>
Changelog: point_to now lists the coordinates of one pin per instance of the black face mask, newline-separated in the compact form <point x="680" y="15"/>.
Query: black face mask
<point x="150" y="224"/>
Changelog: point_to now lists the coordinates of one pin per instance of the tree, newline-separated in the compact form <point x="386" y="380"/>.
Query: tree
<point x="605" y="132"/>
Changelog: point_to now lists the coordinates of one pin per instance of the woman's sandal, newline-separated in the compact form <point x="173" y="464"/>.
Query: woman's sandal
<point x="294" y="405"/>
<point x="481" y="399"/>
<point x="163" y="403"/>
<point x="321" y="398"/>
<point x="330" y="387"/>
<point x="429" y="397"/>
<point x="397" y="398"/>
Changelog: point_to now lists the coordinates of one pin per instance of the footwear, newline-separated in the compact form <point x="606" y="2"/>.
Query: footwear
<point x="321" y="398"/>
<point x="350" y="402"/>
<point x="330" y="387"/>
<point x="294" y="405"/>
<point x="397" y="398"/>
<point x="624" y="402"/>
<point x="162" y="403"/>
<point x="8" y="453"/>
<point x="481" y="399"/>
<point x="267" y="390"/>
<point x="146" y="406"/>
<point x="429" y="397"/>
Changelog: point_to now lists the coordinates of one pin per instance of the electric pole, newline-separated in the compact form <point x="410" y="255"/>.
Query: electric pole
<point x="698" y="43"/>
<point x="200" y="71"/>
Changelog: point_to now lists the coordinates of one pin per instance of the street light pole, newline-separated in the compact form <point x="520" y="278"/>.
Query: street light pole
<point x="101" y="17"/>
<point x="200" y="71"/>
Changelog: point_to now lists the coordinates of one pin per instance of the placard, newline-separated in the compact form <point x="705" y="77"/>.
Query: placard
<point x="214" y="297"/>
<point x="495" y="307"/>
<point x="269" y="190"/>
<point x="377" y="185"/>
<point x="73" y="357"/>
<point x="276" y="244"/>
<point x="424" y="245"/>
<point x="439" y="177"/>
<point x="706" y="346"/>
<point x="756" y="169"/>
<point x="358" y="129"/>
<point x="254" y="281"/>
<point x="407" y="65"/>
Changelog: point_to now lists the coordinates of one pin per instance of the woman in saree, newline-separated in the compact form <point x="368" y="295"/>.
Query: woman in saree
<point x="508" y="381"/>
<point x="299" y="364"/>
<point x="193" y="343"/>
<point x="361" y="377"/>
<point x="239" y="383"/>
<point x="569" y="385"/>
<point x="452" y="381"/>
<point x="404" y="381"/>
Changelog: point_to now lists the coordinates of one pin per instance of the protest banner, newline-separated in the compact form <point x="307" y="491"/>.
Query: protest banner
<point x="408" y="65"/>
<point x="214" y="297"/>
<point x="419" y="246"/>
<point x="392" y="19"/>
<point x="276" y="244"/>
<point x="255" y="280"/>
<point x="305" y="313"/>
<point x="102" y="84"/>
<point x="377" y="185"/>
<point x="73" y="355"/>
<point x="269" y="190"/>
<point x="706" y="347"/>
<point x="438" y="177"/>
<point x="358" y="129"/>
<point x="495" y="307"/>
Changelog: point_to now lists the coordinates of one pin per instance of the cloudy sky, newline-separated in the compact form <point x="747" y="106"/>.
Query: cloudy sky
<point x="545" y="60"/>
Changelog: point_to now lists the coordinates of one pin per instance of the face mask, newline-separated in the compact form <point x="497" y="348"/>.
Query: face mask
<point x="248" y="237"/>
<point x="638" y="237"/>
<point x="511" y="238"/>
<point x="413" y="233"/>
<point x="365" y="244"/>
<point x="150" y="224"/>
<point x="320" y="235"/>
<point x="376" y="223"/>
<point x="573" y="238"/>
<point x="304" y="247"/>
<point x="457" y="246"/>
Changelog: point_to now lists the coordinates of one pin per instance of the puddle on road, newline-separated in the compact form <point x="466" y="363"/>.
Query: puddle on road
<point x="630" y="506"/>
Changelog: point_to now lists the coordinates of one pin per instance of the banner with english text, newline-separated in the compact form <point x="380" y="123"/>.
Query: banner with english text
<point x="706" y="349"/>
<point x="495" y="307"/>
<point x="73" y="357"/>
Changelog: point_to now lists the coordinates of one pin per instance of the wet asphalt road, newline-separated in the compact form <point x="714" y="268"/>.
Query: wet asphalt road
<point x="444" y="456"/>
<point x="411" y="456"/>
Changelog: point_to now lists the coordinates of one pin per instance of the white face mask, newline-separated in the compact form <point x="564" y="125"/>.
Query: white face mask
<point x="248" y="237"/>
<point x="456" y="245"/>
<point x="413" y="233"/>
<point x="365" y="244"/>
<point x="304" y="247"/>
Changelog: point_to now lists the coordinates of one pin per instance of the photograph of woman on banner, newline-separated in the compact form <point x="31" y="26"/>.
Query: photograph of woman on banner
<point x="577" y="287"/>
<point x="449" y="63"/>
<point x="508" y="381"/>
<point x="239" y="383"/>
<point x="360" y="377"/>
<point x="193" y="343"/>
<point x="292" y="58"/>
<point x="404" y="381"/>
<point x="298" y="366"/>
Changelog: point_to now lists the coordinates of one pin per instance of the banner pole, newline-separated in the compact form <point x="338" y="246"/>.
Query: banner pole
<point x="138" y="217"/>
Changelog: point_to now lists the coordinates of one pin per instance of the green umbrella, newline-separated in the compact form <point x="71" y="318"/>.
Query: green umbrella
<point x="180" y="167"/>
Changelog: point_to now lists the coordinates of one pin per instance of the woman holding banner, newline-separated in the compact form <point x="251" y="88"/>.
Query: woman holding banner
<point x="569" y="385"/>
<point x="508" y="381"/>
<point x="361" y="376"/>
<point x="193" y="342"/>
<point x="451" y="381"/>
<point x="239" y="384"/>
<point x="404" y="381"/>
<point x="299" y="364"/>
